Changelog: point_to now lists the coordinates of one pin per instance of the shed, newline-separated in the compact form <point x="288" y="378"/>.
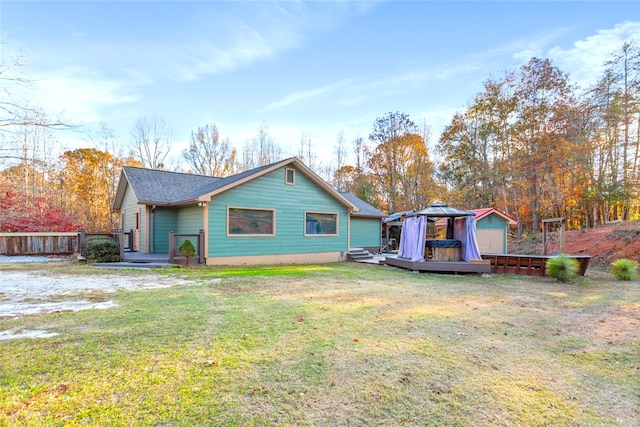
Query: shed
<point x="492" y="228"/>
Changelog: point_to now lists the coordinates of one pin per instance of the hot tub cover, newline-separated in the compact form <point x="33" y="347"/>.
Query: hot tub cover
<point x="444" y="243"/>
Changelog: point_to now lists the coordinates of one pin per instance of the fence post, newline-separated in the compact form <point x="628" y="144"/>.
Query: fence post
<point x="172" y="246"/>
<point x="121" y="243"/>
<point x="81" y="237"/>
<point x="131" y="248"/>
<point x="201" y="247"/>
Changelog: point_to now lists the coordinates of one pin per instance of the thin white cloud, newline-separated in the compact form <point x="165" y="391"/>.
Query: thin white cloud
<point x="79" y="93"/>
<point x="305" y="95"/>
<point x="584" y="61"/>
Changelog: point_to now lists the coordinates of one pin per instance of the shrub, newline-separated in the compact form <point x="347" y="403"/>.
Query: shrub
<point x="187" y="250"/>
<point x="101" y="249"/>
<point x="624" y="269"/>
<point x="562" y="268"/>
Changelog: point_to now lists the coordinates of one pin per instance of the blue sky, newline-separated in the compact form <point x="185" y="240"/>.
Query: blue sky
<point x="310" y="69"/>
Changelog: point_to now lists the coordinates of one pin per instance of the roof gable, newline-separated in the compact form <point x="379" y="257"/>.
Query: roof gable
<point x="163" y="188"/>
<point x="481" y="213"/>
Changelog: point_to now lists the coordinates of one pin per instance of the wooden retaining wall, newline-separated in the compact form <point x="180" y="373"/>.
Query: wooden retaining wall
<point x="38" y="243"/>
<point x="529" y="265"/>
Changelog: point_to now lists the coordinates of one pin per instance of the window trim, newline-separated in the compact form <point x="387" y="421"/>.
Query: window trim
<point x="337" y="215"/>
<point x="273" y="213"/>
<point x="286" y="176"/>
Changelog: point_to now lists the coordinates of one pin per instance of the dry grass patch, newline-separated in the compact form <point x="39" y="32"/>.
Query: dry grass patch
<point x="345" y="344"/>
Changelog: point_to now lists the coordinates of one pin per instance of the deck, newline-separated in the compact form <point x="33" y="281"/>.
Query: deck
<point x="144" y="257"/>
<point x="529" y="265"/>
<point x="440" y="266"/>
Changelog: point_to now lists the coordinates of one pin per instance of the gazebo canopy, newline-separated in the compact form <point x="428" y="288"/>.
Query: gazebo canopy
<point x="441" y="210"/>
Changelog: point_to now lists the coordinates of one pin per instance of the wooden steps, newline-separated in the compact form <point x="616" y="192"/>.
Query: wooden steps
<point x="358" y="254"/>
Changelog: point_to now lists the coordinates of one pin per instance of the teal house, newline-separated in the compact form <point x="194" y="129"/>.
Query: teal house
<point x="273" y="214"/>
<point x="366" y="225"/>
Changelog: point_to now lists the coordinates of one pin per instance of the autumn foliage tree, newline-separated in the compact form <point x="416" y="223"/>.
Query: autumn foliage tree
<point x="90" y="185"/>
<point x="399" y="164"/>
<point x="20" y="212"/>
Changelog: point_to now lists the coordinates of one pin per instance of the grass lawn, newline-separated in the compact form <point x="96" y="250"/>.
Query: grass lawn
<point x="338" y="344"/>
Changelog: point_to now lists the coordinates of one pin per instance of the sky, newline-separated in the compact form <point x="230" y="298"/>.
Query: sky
<point x="304" y="69"/>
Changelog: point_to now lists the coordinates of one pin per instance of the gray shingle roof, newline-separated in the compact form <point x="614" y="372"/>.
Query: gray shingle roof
<point x="157" y="187"/>
<point x="365" y="209"/>
<point x="165" y="188"/>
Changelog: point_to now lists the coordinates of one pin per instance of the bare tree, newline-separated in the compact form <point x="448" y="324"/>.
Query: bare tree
<point x="307" y="153"/>
<point x="110" y="164"/>
<point x="16" y="114"/>
<point x="151" y="139"/>
<point x="208" y="154"/>
<point x="261" y="150"/>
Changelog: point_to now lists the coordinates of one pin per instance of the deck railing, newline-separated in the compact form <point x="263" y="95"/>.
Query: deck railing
<point x="115" y="235"/>
<point x="177" y="239"/>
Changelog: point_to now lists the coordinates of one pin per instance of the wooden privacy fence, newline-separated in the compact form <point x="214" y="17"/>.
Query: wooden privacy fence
<point x="58" y="243"/>
<point x="39" y="243"/>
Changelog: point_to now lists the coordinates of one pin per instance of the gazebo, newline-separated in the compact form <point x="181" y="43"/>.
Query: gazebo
<point x="458" y="252"/>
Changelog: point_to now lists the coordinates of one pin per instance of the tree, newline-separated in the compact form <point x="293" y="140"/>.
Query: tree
<point x="623" y="74"/>
<point x="399" y="163"/>
<point x="208" y="154"/>
<point x="542" y="94"/>
<point x="261" y="150"/>
<point x="476" y="151"/>
<point x="402" y="173"/>
<point x="90" y="177"/>
<point x="307" y="154"/>
<point x="15" y="113"/>
<point x="151" y="139"/>
<point x="28" y="213"/>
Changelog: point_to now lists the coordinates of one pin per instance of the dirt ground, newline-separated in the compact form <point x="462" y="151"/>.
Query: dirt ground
<point x="605" y="244"/>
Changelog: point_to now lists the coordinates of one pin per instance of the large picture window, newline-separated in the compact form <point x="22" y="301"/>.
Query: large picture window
<point x="251" y="222"/>
<point x="321" y="224"/>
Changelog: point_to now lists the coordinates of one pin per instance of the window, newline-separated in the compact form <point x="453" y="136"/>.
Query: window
<point x="290" y="176"/>
<point x="251" y="222"/>
<point x="321" y="224"/>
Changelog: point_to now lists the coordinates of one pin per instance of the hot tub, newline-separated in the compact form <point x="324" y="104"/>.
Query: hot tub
<point x="443" y="249"/>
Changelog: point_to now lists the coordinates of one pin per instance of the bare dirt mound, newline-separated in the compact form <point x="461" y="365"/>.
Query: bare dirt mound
<point x="605" y="243"/>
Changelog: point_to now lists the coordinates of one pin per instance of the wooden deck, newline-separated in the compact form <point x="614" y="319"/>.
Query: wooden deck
<point x="440" y="266"/>
<point x="529" y="265"/>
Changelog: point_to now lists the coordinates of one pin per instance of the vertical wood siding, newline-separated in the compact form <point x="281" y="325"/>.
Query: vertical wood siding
<point x="130" y="207"/>
<point x="290" y="203"/>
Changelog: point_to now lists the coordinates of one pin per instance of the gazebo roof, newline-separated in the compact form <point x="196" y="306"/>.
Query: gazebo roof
<point x="440" y="210"/>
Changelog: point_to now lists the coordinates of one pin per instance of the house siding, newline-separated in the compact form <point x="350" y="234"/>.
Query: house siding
<point x="164" y="220"/>
<point x="128" y="216"/>
<point x="290" y="203"/>
<point x="365" y="232"/>
<point x="189" y="220"/>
